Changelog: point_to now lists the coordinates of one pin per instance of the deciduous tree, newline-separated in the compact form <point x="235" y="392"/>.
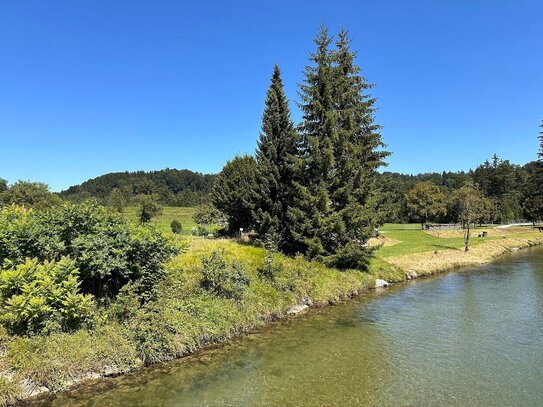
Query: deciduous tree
<point x="116" y="200"/>
<point x="425" y="202"/>
<point x="233" y="192"/>
<point x="469" y="206"/>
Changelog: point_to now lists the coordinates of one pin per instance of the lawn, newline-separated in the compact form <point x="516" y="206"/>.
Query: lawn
<point x="411" y="239"/>
<point x="406" y="238"/>
<point x="162" y="222"/>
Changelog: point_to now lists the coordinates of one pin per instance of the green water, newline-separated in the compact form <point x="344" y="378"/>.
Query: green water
<point x="470" y="338"/>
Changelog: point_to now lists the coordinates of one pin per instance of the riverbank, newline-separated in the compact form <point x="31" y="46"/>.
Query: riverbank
<point x="184" y="319"/>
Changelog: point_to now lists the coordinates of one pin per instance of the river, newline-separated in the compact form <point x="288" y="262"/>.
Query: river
<point x="467" y="338"/>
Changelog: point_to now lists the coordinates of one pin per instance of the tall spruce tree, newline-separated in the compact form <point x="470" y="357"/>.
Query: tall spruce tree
<point x="335" y="212"/>
<point x="314" y="167"/>
<point x="358" y="154"/>
<point x="275" y="157"/>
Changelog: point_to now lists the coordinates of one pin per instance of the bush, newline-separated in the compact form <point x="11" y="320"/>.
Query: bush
<point x="350" y="256"/>
<point x="271" y="267"/>
<point x="107" y="250"/>
<point x="207" y="214"/>
<point x="37" y="297"/>
<point x="176" y="226"/>
<point x="222" y="279"/>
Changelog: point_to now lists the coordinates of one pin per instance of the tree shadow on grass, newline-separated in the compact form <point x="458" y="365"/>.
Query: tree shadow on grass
<point x="445" y="247"/>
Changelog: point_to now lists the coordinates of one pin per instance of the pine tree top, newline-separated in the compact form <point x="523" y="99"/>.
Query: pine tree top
<point x="540" y="154"/>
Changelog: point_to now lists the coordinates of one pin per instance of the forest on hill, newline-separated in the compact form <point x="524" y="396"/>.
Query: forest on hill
<point x="172" y="187"/>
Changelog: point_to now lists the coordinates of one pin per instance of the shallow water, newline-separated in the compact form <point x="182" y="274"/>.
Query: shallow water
<point x="469" y="338"/>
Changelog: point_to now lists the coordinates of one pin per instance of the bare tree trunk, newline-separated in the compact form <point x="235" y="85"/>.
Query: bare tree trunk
<point x="466" y="237"/>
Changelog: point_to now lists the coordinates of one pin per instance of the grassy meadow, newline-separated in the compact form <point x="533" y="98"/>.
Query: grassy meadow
<point x="162" y="222"/>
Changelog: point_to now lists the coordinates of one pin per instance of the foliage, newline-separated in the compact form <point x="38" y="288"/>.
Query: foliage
<point x="107" y="251"/>
<point x="469" y="206"/>
<point x="425" y="202"/>
<point x="275" y="157"/>
<point x="116" y="200"/>
<point x="233" y="192"/>
<point x="39" y="297"/>
<point x="223" y="279"/>
<point x="540" y="153"/>
<point x="207" y="214"/>
<point x="176" y="226"/>
<point x="173" y="187"/>
<point x="335" y="210"/>
<point x="148" y="207"/>
<point x="28" y="194"/>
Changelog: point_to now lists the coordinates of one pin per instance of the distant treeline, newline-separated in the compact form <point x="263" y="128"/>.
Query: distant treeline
<point x="173" y="187"/>
<point x="509" y="186"/>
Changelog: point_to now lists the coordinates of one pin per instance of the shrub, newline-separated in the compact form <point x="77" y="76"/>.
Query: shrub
<point x="222" y="279"/>
<point x="176" y="226"/>
<point x="107" y="250"/>
<point x="37" y="297"/>
<point x="350" y="256"/>
<point x="207" y="214"/>
<point x="271" y="267"/>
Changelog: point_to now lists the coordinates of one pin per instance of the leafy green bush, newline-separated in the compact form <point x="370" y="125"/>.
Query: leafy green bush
<point x="207" y="214"/>
<point x="37" y="297"/>
<point x="107" y="250"/>
<point x="223" y="279"/>
<point x="176" y="226"/>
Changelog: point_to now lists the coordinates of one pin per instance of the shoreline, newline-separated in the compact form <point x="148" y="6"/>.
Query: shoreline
<point x="408" y="267"/>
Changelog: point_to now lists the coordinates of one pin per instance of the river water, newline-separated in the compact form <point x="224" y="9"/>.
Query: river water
<point x="468" y="338"/>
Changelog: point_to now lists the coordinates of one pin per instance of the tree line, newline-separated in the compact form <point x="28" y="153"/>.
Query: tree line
<point x="511" y="192"/>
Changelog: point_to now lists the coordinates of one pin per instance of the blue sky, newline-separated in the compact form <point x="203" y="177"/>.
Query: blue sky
<point x="90" y="87"/>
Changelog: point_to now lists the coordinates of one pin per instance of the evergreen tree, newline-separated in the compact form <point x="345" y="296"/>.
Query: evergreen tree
<point x="275" y="157"/>
<point x="357" y="155"/>
<point x="533" y="204"/>
<point x="336" y="207"/>
<point x="314" y="166"/>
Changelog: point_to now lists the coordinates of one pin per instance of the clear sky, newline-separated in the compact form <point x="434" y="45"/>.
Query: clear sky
<point x="89" y="87"/>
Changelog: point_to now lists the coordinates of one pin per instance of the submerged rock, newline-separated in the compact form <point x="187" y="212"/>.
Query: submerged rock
<point x="411" y="274"/>
<point x="381" y="283"/>
<point x="297" y="309"/>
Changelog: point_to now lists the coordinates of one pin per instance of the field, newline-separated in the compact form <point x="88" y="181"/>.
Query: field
<point x="411" y="239"/>
<point x="402" y="239"/>
<point x="162" y="222"/>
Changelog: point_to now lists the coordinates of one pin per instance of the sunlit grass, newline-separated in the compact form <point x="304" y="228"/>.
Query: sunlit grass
<point x="162" y="222"/>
